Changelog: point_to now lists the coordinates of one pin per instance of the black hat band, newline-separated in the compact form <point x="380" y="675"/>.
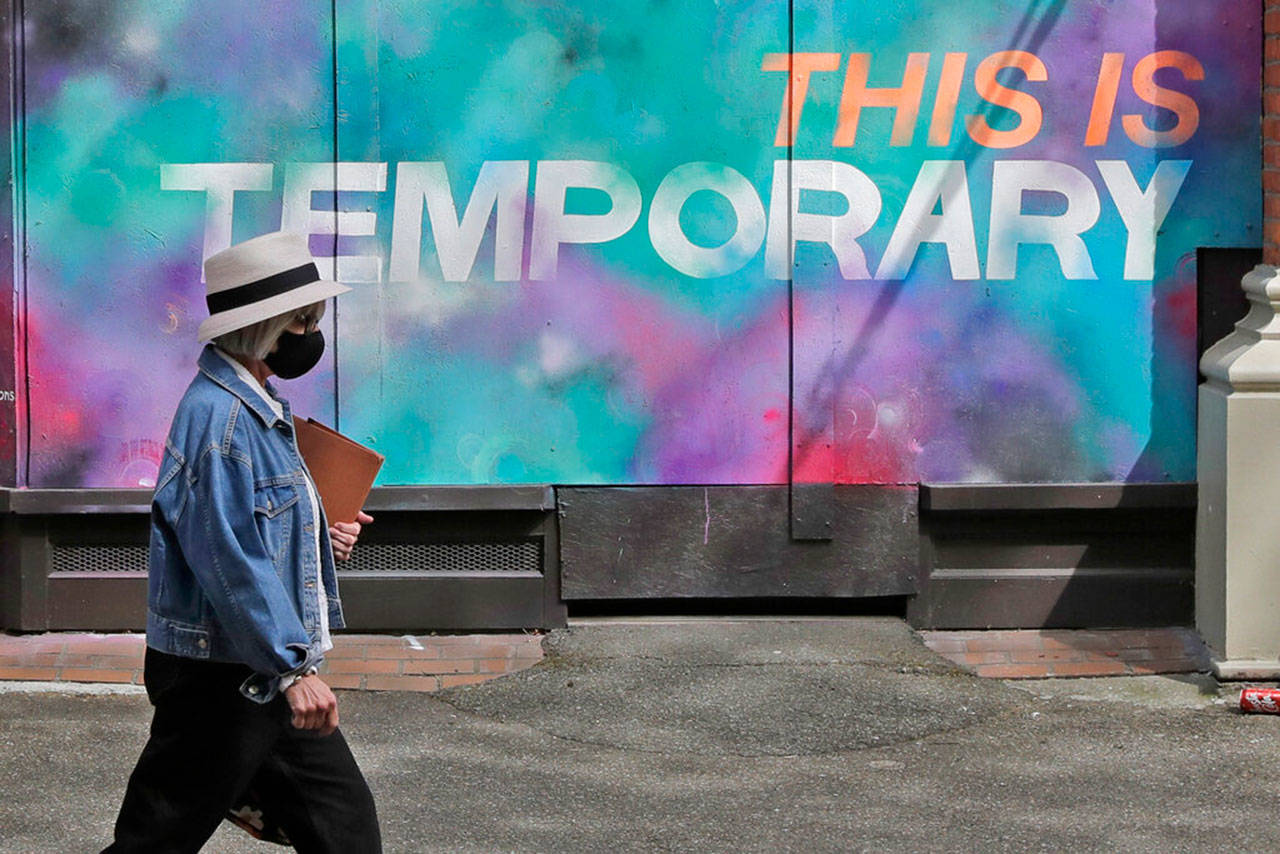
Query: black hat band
<point x="271" y="286"/>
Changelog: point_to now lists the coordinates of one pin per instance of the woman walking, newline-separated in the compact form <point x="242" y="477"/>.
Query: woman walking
<point x="242" y="591"/>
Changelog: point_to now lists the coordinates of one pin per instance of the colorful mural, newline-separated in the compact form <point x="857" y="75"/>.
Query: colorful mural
<point x="651" y="243"/>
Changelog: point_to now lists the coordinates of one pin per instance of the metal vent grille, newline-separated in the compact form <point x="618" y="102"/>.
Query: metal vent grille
<point x="115" y="559"/>
<point x="510" y="556"/>
<point x="502" y="557"/>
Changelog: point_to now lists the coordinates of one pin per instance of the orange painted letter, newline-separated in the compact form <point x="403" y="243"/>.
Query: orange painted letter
<point x="801" y="65"/>
<point x="944" y="106"/>
<point x="904" y="99"/>
<point x="1030" y="115"/>
<point x="1104" y="99"/>
<point x="1182" y="105"/>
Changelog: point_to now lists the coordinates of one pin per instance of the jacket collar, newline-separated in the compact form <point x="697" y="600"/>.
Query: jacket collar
<point x="216" y="368"/>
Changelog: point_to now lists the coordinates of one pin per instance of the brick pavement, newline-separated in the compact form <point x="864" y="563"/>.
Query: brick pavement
<point x="431" y="662"/>
<point x="361" y="662"/>
<point x="1041" y="654"/>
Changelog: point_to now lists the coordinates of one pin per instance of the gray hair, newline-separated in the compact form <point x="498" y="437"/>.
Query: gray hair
<point x="256" y="340"/>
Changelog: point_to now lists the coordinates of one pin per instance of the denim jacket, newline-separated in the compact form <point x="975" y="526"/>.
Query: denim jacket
<point x="232" y="560"/>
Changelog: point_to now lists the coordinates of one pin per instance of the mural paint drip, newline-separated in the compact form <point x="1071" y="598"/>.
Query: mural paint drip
<point x="651" y="243"/>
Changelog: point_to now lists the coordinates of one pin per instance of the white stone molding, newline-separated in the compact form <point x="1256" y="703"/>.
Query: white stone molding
<point x="1238" y="470"/>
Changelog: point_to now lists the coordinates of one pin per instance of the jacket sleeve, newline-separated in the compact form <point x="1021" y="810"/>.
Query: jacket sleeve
<point x="237" y="575"/>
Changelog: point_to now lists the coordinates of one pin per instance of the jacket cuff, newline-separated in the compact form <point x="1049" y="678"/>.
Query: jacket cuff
<point x="263" y="687"/>
<point x="288" y="679"/>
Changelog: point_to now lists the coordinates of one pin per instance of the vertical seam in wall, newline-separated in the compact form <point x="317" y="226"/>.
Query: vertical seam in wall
<point x="1262" y="145"/>
<point x="333" y="42"/>
<point x="790" y="254"/>
<point x="18" y="110"/>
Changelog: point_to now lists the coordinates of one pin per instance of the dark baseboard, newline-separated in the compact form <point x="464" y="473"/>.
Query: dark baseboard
<point x="1056" y="556"/>
<point x="474" y="558"/>
<point x="457" y="558"/>
<point x="734" y="542"/>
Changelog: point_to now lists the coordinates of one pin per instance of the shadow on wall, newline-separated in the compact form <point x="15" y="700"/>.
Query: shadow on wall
<point x="1066" y="556"/>
<point x="1133" y="552"/>
<point x="837" y="373"/>
<point x="1137" y="561"/>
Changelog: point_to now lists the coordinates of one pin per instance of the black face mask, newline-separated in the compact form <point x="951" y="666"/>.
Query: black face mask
<point x="295" y="354"/>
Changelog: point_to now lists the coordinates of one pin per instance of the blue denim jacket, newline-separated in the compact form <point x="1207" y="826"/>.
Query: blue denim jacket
<point x="232" y="561"/>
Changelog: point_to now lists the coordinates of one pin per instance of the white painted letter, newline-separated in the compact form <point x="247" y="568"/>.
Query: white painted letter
<point x="840" y="232"/>
<point x="938" y="182"/>
<point x="1143" y="211"/>
<point x="302" y="179"/>
<point x="674" y="246"/>
<point x="503" y="184"/>
<point x="552" y="226"/>
<point x="1011" y="227"/>
<point x="219" y="182"/>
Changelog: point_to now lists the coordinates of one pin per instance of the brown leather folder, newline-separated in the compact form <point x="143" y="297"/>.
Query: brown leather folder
<point x="343" y="469"/>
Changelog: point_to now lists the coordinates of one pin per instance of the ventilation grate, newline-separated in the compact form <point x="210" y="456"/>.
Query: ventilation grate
<point x="500" y="557"/>
<point x="512" y="556"/>
<point x="115" y="559"/>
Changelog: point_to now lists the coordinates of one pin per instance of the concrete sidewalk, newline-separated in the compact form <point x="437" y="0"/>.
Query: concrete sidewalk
<point x="752" y="735"/>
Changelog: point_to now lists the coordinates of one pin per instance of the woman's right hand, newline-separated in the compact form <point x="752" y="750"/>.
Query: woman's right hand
<point x="313" y="704"/>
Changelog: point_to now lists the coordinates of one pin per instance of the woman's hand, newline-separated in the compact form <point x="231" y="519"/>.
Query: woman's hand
<point x="343" y="535"/>
<point x="313" y="705"/>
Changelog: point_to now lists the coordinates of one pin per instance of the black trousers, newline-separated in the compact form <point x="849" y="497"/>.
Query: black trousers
<point x="209" y="744"/>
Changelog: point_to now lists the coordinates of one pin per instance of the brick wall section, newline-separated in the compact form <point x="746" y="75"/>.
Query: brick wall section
<point x="1271" y="134"/>
<point x="1030" y="654"/>
<point x="364" y="662"/>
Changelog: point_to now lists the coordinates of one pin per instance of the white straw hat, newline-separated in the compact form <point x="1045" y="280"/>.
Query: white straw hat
<point x="261" y="278"/>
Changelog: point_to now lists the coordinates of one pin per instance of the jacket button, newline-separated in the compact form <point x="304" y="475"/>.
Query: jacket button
<point x="253" y="689"/>
<point x="202" y="643"/>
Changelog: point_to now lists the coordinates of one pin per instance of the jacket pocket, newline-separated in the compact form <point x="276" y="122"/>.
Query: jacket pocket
<point x="272" y="499"/>
<point x="189" y="641"/>
<point x="273" y="511"/>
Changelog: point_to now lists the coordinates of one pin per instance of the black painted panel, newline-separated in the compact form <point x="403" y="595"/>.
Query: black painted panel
<point x="10" y="573"/>
<point x="370" y="603"/>
<point x="1119" y="599"/>
<point x="1220" y="301"/>
<point x="416" y="603"/>
<point x="733" y="541"/>
<point x="956" y="497"/>
<point x="1056" y="556"/>
<point x="100" y="603"/>
<point x="813" y="510"/>
<point x="479" y="497"/>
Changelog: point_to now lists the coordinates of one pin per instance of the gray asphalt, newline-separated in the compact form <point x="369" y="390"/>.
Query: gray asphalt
<point x="752" y="735"/>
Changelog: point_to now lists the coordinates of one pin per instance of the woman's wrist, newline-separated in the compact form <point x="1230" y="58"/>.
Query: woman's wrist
<point x="286" y="682"/>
